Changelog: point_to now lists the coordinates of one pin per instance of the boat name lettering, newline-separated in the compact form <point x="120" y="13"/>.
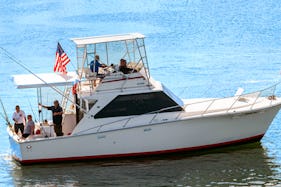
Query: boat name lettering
<point x="101" y="136"/>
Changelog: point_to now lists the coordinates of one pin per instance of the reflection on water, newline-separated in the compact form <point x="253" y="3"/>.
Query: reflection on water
<point x="239" y="165"/>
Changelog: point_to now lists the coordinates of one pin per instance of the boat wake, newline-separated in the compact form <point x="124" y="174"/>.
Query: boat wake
<point x="257" y="81"/>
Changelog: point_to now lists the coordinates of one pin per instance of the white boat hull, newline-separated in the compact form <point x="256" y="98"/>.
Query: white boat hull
<point x="181" y="135"/>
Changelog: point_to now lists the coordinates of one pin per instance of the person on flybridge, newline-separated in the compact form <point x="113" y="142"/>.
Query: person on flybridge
<point x="123" y="67"/>
<point x="95" y="65"/>
<point x="57" y="116"/>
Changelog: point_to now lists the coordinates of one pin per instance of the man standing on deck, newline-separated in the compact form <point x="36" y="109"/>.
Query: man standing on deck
<point x="57" y="116"/>
<point x="19" y="119"/>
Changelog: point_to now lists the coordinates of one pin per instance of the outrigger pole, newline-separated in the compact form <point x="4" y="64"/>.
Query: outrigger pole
<point x="11" y="57"/>
<point x="5" y="116"/>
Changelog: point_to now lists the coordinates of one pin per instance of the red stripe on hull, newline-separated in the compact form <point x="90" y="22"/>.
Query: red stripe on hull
<point x="245" y="140"/>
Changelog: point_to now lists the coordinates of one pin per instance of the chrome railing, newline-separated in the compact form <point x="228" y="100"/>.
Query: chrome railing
<point x="249" y="100"/>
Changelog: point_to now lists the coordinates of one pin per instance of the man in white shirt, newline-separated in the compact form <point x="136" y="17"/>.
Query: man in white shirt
<point x="19" y="119"/>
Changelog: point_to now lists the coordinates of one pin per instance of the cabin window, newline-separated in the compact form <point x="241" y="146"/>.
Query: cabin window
<point x="83" y="104"/>
<point x="91" y="103"/>
<point x="87" y="104"/>
<point x="136" y="104"/>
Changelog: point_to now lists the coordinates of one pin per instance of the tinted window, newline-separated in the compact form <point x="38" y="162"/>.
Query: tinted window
<point x="135" y="104"/>
<point x="91" y="103"/>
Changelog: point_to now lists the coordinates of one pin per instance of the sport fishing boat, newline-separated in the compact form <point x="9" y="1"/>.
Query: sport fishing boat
<point x="113" y="113"/>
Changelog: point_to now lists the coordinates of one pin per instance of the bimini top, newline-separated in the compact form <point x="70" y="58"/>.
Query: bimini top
<point x="49" y="79"/>
<point x="107" y="38"/>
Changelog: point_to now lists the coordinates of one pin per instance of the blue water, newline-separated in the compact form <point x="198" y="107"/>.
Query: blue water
<point x="196" y="48"/>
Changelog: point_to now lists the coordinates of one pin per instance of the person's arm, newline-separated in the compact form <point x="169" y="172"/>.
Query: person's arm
<point x="14" y="118"/>
<point x="44" y="106"/>
<point x="99" y="64"/>
<point x="58" y="113"/>
<point x="103" y="65"/>
<point x="32" y="128"/>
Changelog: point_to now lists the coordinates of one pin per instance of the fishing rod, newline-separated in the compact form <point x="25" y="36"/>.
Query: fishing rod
<point x="5" y="114"/>
<point x="41" y="115"/>
<point x="32" y="110"/>
<point x="3" y="117"/>
<point x="14" y="59"/>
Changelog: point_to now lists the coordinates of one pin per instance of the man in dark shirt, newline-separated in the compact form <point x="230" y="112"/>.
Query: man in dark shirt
<point x="123" y="67"/>
<point x="57" y="116"/>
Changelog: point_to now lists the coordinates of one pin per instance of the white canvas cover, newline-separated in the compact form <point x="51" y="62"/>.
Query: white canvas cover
<point x="105" y="39"/>
<point x="52" y="79"/>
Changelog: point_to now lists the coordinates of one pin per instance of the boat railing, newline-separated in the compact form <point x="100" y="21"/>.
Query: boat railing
<point x="249" y="102"/>
<point x="153" y="117"/>
<point x="126" y="120"/>
<point x="87" y="87"/>
<point x="232" y="104"/>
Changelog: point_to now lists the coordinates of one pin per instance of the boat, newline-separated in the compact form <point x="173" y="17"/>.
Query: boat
<point x="114" y="114"/>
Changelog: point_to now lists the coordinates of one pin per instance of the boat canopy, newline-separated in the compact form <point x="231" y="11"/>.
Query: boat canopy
<point x="49" y="79"/>
<point x="105" y="39"/>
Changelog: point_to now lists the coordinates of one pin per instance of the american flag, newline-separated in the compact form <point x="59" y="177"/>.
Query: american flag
<point x="61" y="60"/>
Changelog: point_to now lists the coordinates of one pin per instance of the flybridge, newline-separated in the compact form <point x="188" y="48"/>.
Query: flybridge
<point x="111" y="49"/>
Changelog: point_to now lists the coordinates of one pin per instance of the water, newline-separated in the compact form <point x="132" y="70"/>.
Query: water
<point x="197" y="48"/>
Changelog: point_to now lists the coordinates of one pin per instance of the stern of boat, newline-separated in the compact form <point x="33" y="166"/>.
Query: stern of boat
<point x="14" y="144"/>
